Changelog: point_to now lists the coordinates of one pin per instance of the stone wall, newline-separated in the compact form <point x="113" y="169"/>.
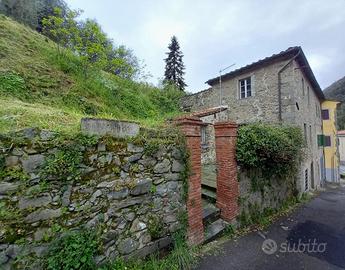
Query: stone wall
<point x="122" y="187"/>
<point x="254" y="200"/>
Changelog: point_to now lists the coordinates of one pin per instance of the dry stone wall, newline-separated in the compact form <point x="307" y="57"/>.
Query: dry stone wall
<point x="255" y="197"/>
<point x="131" y="193"/>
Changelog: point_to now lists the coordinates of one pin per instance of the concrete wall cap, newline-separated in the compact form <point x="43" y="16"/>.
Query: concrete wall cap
<point x="225" y="124"/>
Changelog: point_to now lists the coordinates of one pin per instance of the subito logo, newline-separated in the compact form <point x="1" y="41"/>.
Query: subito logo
<point x="269" y="246"/>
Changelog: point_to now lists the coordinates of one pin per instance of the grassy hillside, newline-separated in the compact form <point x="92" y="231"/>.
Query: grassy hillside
<point x="40" y="87"/>
<point x="337" y="91"/>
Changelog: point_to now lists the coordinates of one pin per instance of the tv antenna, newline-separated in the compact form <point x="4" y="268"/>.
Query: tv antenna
<point x="220" y="83"/>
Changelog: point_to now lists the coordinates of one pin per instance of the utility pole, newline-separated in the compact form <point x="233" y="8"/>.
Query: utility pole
<point x="220" y="83"/>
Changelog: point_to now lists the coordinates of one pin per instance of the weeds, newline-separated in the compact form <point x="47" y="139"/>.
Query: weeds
<point x="181" y="257"/>
<point x="74" y="250"/>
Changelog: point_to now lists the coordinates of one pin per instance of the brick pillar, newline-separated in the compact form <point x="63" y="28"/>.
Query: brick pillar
<point x="190" y="126"/>
<point x="227" y="184"/>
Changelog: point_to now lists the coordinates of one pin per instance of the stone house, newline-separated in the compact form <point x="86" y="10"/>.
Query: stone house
<point x="277" y="89"/>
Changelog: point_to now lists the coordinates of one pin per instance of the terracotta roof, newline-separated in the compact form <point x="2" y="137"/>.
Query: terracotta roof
<point x="341" y="132"/>
<point x="284" y="55"/>
<point x="209" y="111"/>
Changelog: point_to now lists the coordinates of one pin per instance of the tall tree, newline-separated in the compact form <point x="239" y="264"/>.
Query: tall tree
<point x="62" y="27"/>
<point x="174" y="67"/>
<point x="31" y="12"/>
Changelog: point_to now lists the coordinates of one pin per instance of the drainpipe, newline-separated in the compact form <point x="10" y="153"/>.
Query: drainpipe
<point x="280" y="85"/>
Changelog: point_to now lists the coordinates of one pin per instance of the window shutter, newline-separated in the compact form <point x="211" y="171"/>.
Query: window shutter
<point x="320" y="140"/>
<point x="238" y="90"/>
<point x="253" y="84"/>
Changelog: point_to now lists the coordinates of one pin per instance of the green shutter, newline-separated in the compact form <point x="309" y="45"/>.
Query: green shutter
<point x="320" y="140"/>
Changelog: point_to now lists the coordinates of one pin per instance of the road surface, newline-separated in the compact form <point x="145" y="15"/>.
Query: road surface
<point x="312" y="237"/>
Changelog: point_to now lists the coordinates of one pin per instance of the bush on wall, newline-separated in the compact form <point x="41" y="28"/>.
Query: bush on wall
<point x="276" y="150"/>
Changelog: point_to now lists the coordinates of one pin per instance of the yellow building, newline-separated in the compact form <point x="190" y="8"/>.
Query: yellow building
<point x="330" y="170"/>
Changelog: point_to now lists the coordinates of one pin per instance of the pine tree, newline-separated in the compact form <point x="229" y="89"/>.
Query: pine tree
<point x="174" y="67"/>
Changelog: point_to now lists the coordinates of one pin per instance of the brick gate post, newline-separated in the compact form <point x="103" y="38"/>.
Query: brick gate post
<point x="227" y="184"/>
<point x="190" y="126"/>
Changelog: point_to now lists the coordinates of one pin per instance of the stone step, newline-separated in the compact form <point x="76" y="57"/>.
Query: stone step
<point x="215" y="229"/>
<point x="209" y="193"/>
<point x="210" y="213"/>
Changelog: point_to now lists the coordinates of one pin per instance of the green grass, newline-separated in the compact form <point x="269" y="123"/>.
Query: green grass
<point x="43" y="88"/>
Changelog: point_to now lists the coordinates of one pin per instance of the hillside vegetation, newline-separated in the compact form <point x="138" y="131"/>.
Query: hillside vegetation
<point x="337" y="91"/>
<point x="43" y="88"/>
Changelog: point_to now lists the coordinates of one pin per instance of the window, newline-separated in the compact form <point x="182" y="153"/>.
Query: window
<point x="316" y="110"/>
<point x="203" y="135"/>
<point x="308" y="93"/>
<point x="325" y="114"/>
<point x="245" y="86"/>
<point x="303" y="87"/>
<point x="306" y="184"/>
<point x="297" y="106"/>
<point x="310" y="137"/>
<point x="305" y="132"/>
<point x="327" y="140"/>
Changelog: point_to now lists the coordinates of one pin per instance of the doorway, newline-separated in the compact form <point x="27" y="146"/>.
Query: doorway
<point x="312" y="175"/>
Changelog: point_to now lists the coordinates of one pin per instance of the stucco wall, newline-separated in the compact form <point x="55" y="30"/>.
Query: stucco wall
<point x="331" y="152"/>
<point x="341" y="148"/>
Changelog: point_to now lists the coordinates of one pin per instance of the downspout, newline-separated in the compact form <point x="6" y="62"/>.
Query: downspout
<point x="280" y="85"/>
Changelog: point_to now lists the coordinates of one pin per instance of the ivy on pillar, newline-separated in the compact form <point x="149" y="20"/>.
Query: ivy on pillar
<point x="227" y="184"/>
<point x="190" y="126"/>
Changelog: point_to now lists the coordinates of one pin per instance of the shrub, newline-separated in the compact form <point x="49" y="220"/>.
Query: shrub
<point x="276" y="150"/>
<point x="2" y="162"/>
<point x="72" y="251"/>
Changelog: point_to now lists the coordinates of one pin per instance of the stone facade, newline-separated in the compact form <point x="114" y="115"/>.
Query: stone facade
<point x="300" y="106"/>
<point x="208" y="144"/>
<point x="262" y="106"/>
<point x="122" y="187"/>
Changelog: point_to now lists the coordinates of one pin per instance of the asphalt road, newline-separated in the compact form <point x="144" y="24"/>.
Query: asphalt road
<point x="312" y="237"/>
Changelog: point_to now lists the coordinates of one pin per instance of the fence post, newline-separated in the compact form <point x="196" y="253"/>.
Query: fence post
<point x="190" y="126"/>
<point x="227" y="184"/>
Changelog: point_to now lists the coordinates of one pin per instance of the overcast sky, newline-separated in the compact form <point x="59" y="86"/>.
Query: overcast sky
<point x="214" y="34"/>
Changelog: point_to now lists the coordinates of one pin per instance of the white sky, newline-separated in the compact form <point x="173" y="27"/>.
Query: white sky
<point x="215" y="34"/>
